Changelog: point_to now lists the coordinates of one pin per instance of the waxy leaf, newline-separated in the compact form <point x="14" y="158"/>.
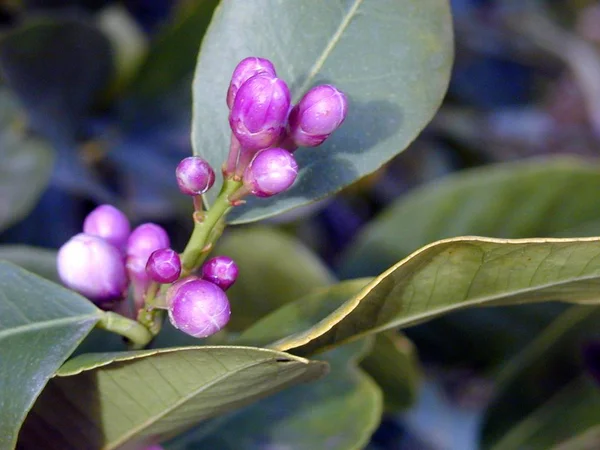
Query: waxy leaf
<point x="40" y="261"/>
<point x="338" y="412"/>
<point x="275" y="269"/>
<point x="537" y="198"/>
<point x="393" y="364"/>
<point x="113" y="399"/>
<point x="40" y="326"/>
<point x="549" y="363"/>
<point x="442" y="277"/>
<point x="392" y="58"/>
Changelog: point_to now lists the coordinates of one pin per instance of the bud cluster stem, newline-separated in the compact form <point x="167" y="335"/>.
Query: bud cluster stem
<point x="196" y="248"/>
<point x="138" y="335"/>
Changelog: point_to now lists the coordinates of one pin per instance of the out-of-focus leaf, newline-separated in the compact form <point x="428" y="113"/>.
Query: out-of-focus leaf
<point x="338" y="412"/>
<point x="538" y="373"/>
<point x="393" y="364"/>
<point x="114" y="399"/>
<point x="40" y="261"/>
<point x="25" y="168"/>
<point x="405" y="53"/>
<point x="173" y="53"/>
<point x="588" y="440"/>
<point x="56" y="68"/>
<point x="40" y="326"/>
<point x="442" y="277"/>
<point x="539" y="198"/>
<point x="573" y="410"/>
<point x="274" y="269"/>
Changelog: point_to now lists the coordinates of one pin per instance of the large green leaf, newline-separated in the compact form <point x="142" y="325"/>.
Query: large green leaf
<point x="393" y="364"/>
<point x="588" y="440"/>
<point x="25" y="166"/>
<point x="571" y="411"/>
<point x="538" y="373"/>
<point x="274" y="269"/>
<point x="113" y="399"/>
<point x="40" y="326"/>
<point x="442" y="277"/>
<point x="338" y="412"/>
<point x="40" y="261"/>
<point x="392" y="58"/>
<point x="537" y="198"/>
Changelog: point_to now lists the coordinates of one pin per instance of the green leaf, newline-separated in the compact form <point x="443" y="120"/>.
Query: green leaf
<point x="442" y="277"/>
<point x="588" y="440"/>
<point x="571" y="411"/>
<point x="40" y="261"/>
<point x="392" y="58"/>
<point x="538" y="373"/>
<point x="393" y="364"/>
<point x="113" y="399"/>
<point x="25" y="166"/>
<point x="172" y="54"/>
<point x="537" y="198"/>
<point x="338" y="412"/>
<point x="274" y="269"/>
<point x="40" y="326"/>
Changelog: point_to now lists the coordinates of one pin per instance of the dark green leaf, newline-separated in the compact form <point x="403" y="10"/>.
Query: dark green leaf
<point x="394" y="365"/>
<point x="173" y="52"/>
<point x="338" y="412"/>
<point x="274" y="269"/>
<point x="538" y="373"/>
<point x="391" y="57"/>
<point x="442" y="277"/>
<point x="40" y="326"/>
<point x="40" y="261"/>
<point x="113" y="399"/>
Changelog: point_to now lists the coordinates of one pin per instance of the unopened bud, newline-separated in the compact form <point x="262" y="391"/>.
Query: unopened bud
<point x="247" y="68"/>
<point x="271" y="171"/>
<point x="109" y="223"/>
<point x="164" y="266"/>
<point x="220" y="270"/>
<point x="194" y="175"/>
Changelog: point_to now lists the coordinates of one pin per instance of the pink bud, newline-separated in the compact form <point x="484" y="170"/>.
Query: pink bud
<point x="247" y="68"/>
<point x="93" y="267"/>
<point x="109" y="223"/>
<point x="220" y="270"/>
<point x="271" y="171"/>
<point x="194" y="176"/>
<point x="197" y="307"/>
<point x="164" y="266"/>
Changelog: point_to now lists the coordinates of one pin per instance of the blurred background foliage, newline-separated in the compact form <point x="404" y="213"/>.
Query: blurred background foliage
<point x="102" y="112"/>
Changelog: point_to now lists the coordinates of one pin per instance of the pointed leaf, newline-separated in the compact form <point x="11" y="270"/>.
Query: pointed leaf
<point x="40" y="325"/>
<point x="442" y="277"/>
<point x="524" y="199"/>
<point x="113" y="399"/>
<point x="338" y="412"/>
<point x="274" y="269"/>
<point x="393" y="364"/>
<point x="405" y="53"/>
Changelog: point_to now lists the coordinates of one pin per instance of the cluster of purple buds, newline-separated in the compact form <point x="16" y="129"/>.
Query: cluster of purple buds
<point x="266" y="129"/>
<point x="107" y="258"/>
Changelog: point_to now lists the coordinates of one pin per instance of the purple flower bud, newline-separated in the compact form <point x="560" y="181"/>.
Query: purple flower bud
<point x="93" y="267"/>
<point x="320" y="112"/>
<point x="247" y="68"/>
<point x="142" y="242"/>
<point x="194" y="176"/>
<point x="164" y="266"/>
<point x="220" y="270"/>
<point x="146" y="239"/>
<point x="198" y="307"/>
<point x="109" y="223"/>
<point x="260" y="111"/>
<point x="272" y="171"/>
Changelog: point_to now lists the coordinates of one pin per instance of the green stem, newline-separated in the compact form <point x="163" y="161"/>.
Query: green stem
<point x="138" y="334"/>
<point x="193" y="252"/>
